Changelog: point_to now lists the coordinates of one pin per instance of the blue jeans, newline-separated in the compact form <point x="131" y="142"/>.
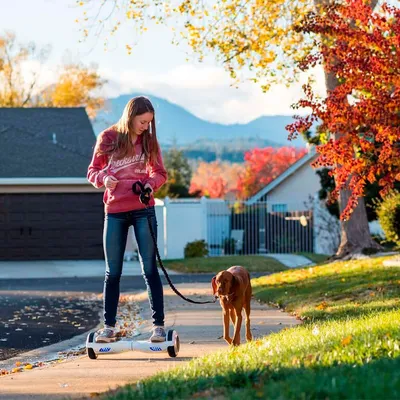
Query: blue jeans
<point x="116" y="226"/>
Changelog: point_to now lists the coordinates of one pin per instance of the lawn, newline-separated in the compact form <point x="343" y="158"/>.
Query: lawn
<point x="347" y="348"/>
<point x="216" y="264"/>
<point x="315" y="258"/>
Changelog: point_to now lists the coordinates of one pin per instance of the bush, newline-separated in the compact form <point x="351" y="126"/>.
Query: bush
<point x="198" y="248"/>
<point x="389" y="217"/>
<point x="386" y="244"/>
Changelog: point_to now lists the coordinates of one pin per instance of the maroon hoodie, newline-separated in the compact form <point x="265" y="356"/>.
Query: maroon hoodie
<point x="127" y="171"/>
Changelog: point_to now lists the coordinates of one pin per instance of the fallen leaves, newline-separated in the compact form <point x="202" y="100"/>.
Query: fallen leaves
<point x="346" y="341"/>
<point x="33" y="321"/>
<point x="21" y="366"/>
<point x="128" y="322"/>
<point x="322" y="306"/>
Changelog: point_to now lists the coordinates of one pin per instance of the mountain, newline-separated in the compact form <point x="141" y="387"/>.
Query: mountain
<point x="175" y="125"/>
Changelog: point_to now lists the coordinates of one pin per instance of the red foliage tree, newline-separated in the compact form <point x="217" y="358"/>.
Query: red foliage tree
<point x="215" y="179"/>
<point x="359" y="48"/>
<point x="264" y="165"/>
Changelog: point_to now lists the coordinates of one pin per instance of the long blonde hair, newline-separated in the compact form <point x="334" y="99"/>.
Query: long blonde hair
<point x="123" y="146"/>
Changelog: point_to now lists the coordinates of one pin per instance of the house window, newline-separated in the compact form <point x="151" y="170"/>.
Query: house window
<point x="279" y="207"/>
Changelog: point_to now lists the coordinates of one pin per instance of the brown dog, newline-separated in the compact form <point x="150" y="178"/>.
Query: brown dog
<point x="234" y="291"/>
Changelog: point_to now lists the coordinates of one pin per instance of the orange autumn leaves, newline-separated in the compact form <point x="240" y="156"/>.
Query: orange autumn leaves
<point x="74" y="84"/>
<point x="360" y="49"/>
<point x="21" y="366"/>
<point x="218" y="179"/>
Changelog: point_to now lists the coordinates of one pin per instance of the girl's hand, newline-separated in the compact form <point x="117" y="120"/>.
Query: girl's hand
<point x="110" y="182"/>
<point x="148" y="186"/>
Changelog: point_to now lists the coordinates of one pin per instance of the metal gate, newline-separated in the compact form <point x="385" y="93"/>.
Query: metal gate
<point x="235" y="227"/>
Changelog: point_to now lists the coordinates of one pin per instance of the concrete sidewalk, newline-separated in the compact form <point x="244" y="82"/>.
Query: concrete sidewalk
<point x="291" y="260"/>
<point x="200" y="331"/>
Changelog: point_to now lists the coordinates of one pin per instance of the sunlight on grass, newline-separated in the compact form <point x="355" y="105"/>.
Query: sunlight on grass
<point x="335" y="290"/>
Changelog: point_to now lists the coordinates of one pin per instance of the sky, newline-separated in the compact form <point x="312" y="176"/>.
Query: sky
<point x="155" y="67"/>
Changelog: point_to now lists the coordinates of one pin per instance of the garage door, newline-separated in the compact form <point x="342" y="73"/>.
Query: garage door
<point x="51" y="226"/>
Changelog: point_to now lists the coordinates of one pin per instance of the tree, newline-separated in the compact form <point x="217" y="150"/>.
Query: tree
<point x="371" y="194"/>
<point x="360" y="51"/>
<point x="74" y="87"/>
<point x="179" y="175"/>
<point x="264" y="165"/>
<point x="252" y="33"/>
<point x="215" y="179"/>
<point x="260" y="36"/>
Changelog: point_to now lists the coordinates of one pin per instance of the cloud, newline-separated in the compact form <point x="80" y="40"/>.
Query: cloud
<point x="206" y="91"/>
<point x="43" y="74"/>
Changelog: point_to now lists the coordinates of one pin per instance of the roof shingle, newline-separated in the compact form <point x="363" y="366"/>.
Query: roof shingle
<point x="45" y="142"/>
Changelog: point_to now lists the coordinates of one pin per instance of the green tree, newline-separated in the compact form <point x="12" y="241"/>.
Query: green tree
<point x="179" y="175"/>
<point x="371" y="195"/>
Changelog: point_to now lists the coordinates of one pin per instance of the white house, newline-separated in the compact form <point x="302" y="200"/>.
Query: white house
<point x="293" y="188"/>
<point x="296" y="190"/>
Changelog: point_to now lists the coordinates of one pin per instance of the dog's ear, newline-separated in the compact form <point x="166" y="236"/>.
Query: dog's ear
<point x="234" y="283"/>
<point x="214" y="284"/>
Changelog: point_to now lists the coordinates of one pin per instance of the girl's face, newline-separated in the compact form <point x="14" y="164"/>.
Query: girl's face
<point x="141" y="122"/>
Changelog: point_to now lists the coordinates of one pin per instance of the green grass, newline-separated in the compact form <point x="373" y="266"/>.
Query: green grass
<point x="315" y="258"/>
<point x="216" y="264"/>
<point x="338" y="290"/>
<point x="347" y="348"/>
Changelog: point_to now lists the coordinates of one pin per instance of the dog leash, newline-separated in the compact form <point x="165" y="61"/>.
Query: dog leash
<point x="144" y="197"/>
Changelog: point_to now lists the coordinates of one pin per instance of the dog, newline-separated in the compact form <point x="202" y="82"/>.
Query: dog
<point x="233" y="288"/>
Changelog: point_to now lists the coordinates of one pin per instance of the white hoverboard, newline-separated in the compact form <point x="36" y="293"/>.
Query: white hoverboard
<point x="171" y="345"/>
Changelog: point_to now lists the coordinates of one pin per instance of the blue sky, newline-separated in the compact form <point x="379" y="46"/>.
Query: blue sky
<point x="155" y="67"/>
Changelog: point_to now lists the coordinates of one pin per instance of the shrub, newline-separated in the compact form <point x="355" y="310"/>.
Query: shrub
<point x="198" y="248"/>
<point x="389" y="217"/>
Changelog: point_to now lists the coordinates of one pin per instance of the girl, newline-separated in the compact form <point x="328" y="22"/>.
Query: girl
<point x="125" y="153"/>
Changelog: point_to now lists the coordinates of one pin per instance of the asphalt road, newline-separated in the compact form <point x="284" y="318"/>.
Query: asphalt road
<point x="33" y="319"/>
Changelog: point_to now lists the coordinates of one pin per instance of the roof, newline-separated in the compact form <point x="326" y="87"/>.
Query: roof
<point x="288" y="172"/>
<point x="45" y="142"/>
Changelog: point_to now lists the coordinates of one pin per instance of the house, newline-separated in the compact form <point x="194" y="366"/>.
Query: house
<point x="296" y="220"/>
<point x="292" y="201"/>
<point x="293" y="188"/>
<point x="48" y="209"/>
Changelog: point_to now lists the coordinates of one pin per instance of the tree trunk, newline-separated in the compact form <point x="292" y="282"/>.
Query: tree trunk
<point x="355" y="235"/>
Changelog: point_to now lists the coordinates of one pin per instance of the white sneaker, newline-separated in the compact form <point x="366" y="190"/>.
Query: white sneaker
<point x="106" y="335"/>
<point x="158" y="335"/>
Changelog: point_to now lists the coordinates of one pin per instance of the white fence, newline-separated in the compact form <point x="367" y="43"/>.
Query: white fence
<point x="233" y="227"/>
